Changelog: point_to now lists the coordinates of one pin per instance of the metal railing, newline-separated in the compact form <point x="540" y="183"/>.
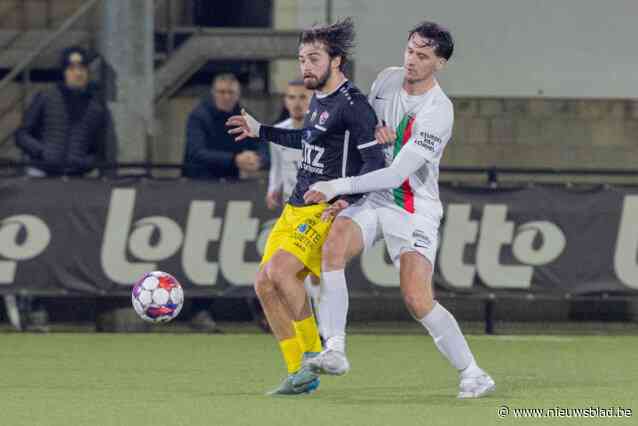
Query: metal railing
<point x="492" y="175"/>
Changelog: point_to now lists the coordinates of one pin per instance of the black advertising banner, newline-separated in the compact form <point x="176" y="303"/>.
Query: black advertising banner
<point x="98" y="237"/>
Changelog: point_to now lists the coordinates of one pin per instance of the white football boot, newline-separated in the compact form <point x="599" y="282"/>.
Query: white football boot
<point x="330" y="362"/>
<point x="476" y="386"/>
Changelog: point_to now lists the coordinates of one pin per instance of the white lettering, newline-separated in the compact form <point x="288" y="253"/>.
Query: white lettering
<point x="626" y="255"/>
<point x="15" y="246"/>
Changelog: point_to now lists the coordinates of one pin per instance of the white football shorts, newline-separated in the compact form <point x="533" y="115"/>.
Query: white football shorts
<point x="402" y="231"/>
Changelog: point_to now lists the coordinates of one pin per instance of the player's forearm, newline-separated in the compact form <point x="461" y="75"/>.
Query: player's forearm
<point x="378" y="180"/>
<point x="290" y="138"/>
<point x="374" y="181"/>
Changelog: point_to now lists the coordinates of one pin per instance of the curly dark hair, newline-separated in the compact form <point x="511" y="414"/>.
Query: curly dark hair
<point x="441" y="38"/>
<point x="338" y="38"/>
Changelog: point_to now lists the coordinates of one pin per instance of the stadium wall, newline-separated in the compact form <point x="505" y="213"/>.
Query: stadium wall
<point x="487" y="131"/>
<point x="516" y="48"/>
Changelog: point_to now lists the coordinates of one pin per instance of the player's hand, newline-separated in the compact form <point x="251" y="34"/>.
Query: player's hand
<point x="333" y="210"/>
<point x="385" y="135"/>
<point x="244" y="126"/>
<point x="273" y="200"/>
<point x="314" y="197"/>
<point x="320" y="192"/>
<point x="248" y="161"/>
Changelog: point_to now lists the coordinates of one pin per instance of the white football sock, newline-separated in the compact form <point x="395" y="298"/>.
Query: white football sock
<point x="313" y="290"/>
<point x="445" y="331"/>
<point x="333" y="309"/>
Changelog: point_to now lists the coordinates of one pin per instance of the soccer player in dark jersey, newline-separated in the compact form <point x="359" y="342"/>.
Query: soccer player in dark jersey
<point x="337" y="141"/>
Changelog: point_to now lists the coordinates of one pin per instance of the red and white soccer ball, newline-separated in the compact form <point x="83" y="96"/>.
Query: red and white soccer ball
<point x="157" y="297"/>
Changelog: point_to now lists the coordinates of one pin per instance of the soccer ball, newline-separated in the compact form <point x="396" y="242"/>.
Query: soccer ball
<point x="157" y="297"/>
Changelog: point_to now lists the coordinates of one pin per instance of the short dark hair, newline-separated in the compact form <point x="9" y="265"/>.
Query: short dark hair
<point x="338" y="39"/>
<point x="443" y="42"/>
<point x="226" y="77"/>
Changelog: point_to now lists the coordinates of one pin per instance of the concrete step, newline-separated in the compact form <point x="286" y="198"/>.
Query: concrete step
<point x="227" y="43"/>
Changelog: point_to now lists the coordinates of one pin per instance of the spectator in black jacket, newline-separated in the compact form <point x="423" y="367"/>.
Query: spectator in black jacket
<point x="212" y="153"/>
<point x="65" y="128"/>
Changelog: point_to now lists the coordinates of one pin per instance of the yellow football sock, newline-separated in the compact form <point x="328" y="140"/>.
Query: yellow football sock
<point x="293" y="353"/>
<point x="308" y="334"/>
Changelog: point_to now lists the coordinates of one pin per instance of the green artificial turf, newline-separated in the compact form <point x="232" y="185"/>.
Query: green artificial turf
<point x="195" y="379"/>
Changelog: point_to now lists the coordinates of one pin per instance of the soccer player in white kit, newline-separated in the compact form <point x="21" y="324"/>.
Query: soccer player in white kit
<point x="285" y="161"/>
<point x="402" y="207"/>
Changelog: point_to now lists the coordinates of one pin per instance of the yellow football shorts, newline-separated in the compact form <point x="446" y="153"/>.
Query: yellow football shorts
<point x="301" y="232"/>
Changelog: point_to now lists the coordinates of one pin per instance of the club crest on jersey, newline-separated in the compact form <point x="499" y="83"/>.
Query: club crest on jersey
<point x="323" y="118"/>
<point x="313" y="116"/>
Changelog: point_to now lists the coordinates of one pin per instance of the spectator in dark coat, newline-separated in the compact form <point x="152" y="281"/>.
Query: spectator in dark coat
<point x="65" y="128"/>
<point x="212" y="153"/>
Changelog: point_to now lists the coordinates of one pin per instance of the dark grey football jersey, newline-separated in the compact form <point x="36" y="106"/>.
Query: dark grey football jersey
<point x="337" y="139"/>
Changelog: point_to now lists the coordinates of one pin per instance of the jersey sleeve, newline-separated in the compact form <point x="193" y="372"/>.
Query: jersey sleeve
<point x="290" y="138"/>
<point x="360" y="120"/>
<point x="430" y="134"/>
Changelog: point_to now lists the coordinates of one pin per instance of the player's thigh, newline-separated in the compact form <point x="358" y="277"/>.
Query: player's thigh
<point x="343" y="242"/>
<point x="278" y="234"/>
<point x="353" y="231"/>
<point x="308" y="236"/>
<point x="283" y="266"/>
<point x="415" y="273"/>
<point x="416" y="283"/>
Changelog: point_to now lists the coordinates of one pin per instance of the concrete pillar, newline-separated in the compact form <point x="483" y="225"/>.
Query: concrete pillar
<point x="285" y="17"/>
<point x="126" y="44"/>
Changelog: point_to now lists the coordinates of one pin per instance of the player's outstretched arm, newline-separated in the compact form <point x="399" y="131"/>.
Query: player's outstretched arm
<point x="290" y="138"/>
<point x="246" y="126"/>
<point x="390" y="177"/>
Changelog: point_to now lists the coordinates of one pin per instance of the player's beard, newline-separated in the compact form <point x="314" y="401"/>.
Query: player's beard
<point x="320" y="82"/>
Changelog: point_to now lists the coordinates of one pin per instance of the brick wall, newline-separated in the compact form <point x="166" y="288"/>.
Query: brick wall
<point x="544" y="133"/>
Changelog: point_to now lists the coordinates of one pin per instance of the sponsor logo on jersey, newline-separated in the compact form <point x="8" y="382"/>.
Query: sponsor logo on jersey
<point x="323" y="118"/>
<point x="303" y="228"/>
<point x="428" y="141"/>
<point x="313" y="116"/>
<point x="312" y="158"/>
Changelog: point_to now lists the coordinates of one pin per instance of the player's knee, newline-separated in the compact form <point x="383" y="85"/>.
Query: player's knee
<point x="276" y="273"/>
<point x="263" y="285"/>
<point x="417" y="307"/>
<point x="418" y="303"/>
<point x="413" y="304"/>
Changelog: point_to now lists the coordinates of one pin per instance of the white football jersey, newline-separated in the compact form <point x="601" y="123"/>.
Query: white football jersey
<point x="284" y="164"/>
<point x="424" y="127"/>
